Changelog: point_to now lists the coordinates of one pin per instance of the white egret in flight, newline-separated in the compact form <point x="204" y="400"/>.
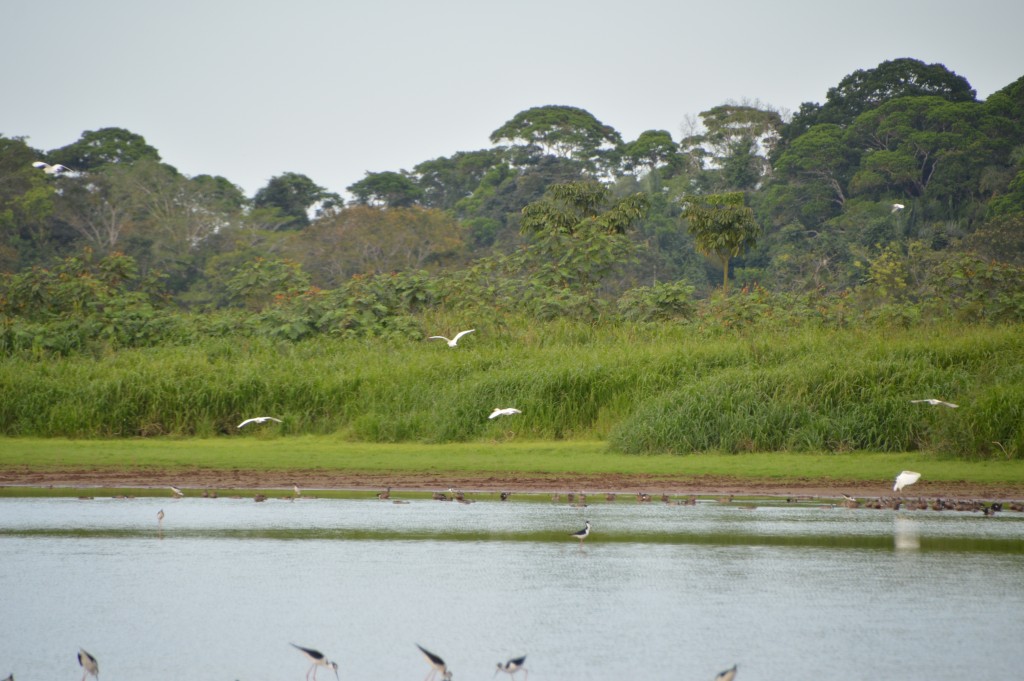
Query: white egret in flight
<point x="452" y="342"/>
<point x="258" y="419"/>
<point x="508" y="411"/>
<point x="54" y="169"/>
<point x="905" y="478"/>
<point x="935" y="403"/>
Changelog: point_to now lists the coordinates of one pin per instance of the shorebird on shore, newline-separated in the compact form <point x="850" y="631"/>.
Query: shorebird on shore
<point x="582" y="534"/>
<point x="437" y="665"/>
<point x="88" y="663"/>
<point x="727" y="675"/>
<point x="512" y="666"/>
<point x="318" y="659"/>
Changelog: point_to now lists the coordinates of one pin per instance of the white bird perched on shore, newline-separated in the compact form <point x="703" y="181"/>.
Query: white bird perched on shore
<point x="452" y="342"/>
<point x="259" y="419"/>
<point x="176" y="492"/>
<point x="905" y="478"/>
<point x="88" y="663"/>
<point x="54" y="169"/>
<point x="935" y="403"/>
<point x="507" y="411"/>
<point x="897" y="207"/>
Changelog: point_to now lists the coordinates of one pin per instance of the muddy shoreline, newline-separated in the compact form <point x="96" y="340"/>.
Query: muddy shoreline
<point x="205" y="479"/>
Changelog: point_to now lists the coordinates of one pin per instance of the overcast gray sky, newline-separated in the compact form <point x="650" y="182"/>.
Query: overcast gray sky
<point x="250" y="89"/>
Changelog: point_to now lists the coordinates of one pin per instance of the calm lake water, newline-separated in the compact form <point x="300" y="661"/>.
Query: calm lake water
<point x="657" y="592"/>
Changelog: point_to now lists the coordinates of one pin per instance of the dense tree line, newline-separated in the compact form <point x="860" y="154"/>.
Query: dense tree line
<point x="901" y="191"/>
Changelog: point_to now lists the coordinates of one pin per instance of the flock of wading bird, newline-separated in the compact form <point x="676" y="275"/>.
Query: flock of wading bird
<point x="438" y="668"/>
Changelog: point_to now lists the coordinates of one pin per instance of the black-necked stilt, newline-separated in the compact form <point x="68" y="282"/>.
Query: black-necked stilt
<point x="513" y="666"/>
<point x="88" y="663"/>
<point x="176" y="492"/>
<point x="437" y="665"/>
<point x="319" y="660"/>
<point x="727" y="675"/>
<point x="582" y="534"/>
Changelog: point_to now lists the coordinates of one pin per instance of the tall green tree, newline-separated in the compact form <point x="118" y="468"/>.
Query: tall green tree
<point x="295" y="195"/>
<point x="652" y="150"/>
<point x="447" y="180"/>
<point x="26" y="203"/>
<point x="866" y="89"/>
<point x="563" y="131"/>
<point x="735" y="143"/>
<point x="386" y="189"/>
<point x="723" y="226"/>
<point x="578" y="233"/>
<point x="106" y="146"/>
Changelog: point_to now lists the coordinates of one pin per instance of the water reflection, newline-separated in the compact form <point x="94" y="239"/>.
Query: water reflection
<point x="663" y="592"/>
<point x="906" y="533"/>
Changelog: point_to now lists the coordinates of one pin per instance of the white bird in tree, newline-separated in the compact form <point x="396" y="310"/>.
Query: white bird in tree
<point x="88" y="663"/>
<point x="452" y="342"/>
<point x="936" y="403"/>
<point x="54" y="169"/>
<point x="507" y="411"/>
<point x="897" y="207"/>
<point x="905" y="478"/>
<point x="259" y="419"/>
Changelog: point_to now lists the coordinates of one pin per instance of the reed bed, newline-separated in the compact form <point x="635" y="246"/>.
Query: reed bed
<point x="641" y="388"/>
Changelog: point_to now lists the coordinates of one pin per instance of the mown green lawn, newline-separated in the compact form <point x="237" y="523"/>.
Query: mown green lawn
<point x="326" y="453"/>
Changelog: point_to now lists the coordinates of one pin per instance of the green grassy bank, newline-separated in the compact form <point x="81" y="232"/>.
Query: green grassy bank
<point x="640" y="389"/>
<point x="329" y="454"/>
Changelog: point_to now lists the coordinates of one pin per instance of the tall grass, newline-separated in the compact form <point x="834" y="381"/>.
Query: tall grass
<point x="643" y="388"/>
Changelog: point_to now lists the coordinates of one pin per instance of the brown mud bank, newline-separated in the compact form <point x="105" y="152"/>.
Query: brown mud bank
<point x="205" y="479"/>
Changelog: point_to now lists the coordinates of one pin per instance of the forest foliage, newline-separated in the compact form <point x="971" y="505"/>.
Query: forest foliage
<point x="897" y="203"/>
